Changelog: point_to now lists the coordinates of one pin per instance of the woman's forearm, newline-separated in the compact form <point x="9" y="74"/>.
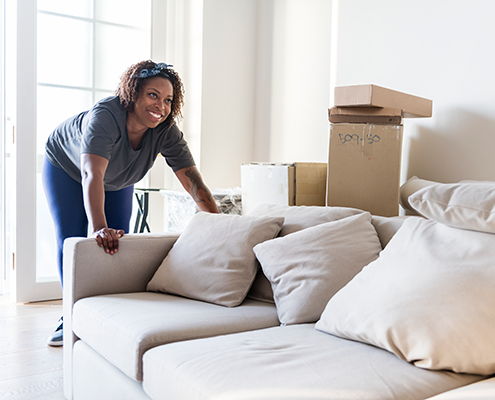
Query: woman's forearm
<point x="192" y="181"/>
<point x="94" y="202"/>
<point x="93" y="169"/>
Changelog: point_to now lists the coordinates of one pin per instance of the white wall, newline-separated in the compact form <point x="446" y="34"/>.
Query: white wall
<point x="300" y="81"/>
<point x="266" y="79"/>
<point x="228" y="89"/>
<point x="440" y="50"/>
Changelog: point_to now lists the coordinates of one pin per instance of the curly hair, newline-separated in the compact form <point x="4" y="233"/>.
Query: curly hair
<point x="130" y="86"/>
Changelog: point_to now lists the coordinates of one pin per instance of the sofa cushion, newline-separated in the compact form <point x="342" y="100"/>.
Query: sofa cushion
<point x="302" y="217"/>
<point x="429" y="298"/>
<point x="291" y="362"/>
<point x="296" y="219"/>
<point x="122" y="327"/>
<point x="213" y="258"/>
<point x="308" y="267"/>
<point x="387" y="227"/>
<point x="411" y="186"/>
<point x="462" y="205"/>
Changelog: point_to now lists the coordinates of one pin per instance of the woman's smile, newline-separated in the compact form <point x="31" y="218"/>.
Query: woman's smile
<point x="155" y="116"/>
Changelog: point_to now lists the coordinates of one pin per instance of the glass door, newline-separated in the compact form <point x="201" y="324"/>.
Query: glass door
<point x="69" y="55"/>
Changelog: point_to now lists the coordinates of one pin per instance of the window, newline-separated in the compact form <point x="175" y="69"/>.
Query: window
<point x="77" y="51"/>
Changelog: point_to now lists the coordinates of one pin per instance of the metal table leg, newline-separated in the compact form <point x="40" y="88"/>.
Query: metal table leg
<point x="142" y="197"/>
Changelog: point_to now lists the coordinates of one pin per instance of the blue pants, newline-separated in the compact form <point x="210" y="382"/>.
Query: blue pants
<point x="65" y="201"/>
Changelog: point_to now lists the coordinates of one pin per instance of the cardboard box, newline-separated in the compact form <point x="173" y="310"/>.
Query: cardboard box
<point x="365" y="115"/>
<point x="377" y="96"/>
<point x="364" y="167"/>
<point x="297" y="184"/>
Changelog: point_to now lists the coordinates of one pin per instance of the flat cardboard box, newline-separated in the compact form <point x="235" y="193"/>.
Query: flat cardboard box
<point x="377" y="96"/>
<point x="365" y="115"/>
<point x="364" y="167"/>
<point x="293" y="184"/>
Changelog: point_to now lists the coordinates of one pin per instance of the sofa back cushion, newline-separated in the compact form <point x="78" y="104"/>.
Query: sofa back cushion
<point x="411" y="186"/>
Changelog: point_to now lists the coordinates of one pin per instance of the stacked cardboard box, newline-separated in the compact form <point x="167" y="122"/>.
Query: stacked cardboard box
<point x="365" y="146"/>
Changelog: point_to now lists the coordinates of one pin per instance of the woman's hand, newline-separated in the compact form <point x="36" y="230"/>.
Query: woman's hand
<point x="108" y="238"/>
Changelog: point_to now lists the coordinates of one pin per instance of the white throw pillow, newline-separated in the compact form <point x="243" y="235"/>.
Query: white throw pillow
<point x="213" y="258"/>
<point x="462" y="205"/>
<point x="429" y="298"/>
<point x="296" y="218"/>
<point x="307" y="268"/>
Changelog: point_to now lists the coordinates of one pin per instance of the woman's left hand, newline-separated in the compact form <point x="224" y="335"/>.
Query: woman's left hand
<point x="108" y="238"/>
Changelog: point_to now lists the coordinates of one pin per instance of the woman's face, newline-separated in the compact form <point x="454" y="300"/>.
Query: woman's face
<point x="153" y="104"/>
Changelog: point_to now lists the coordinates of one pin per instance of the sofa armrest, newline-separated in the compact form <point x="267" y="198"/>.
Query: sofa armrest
<point x="89" y="271"/>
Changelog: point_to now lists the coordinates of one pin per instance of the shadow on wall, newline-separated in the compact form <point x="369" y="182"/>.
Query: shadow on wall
<point x="463" y="148"/>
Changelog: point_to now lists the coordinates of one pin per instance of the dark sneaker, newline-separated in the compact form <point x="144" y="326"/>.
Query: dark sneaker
<point x="56" y="339"/>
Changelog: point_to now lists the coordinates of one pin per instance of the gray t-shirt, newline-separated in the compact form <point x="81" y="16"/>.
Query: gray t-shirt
<point x="102" y="131"/>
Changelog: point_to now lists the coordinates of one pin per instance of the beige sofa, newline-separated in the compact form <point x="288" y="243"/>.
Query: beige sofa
<point x="123" y="341"/>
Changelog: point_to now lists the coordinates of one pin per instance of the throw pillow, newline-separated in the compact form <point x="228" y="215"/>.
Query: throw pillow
<point x="462" y="205"/>
<point x="296" y="219"/>
<point x="213" y="258"/>
<point x="429" y="298"/>
<point x="307" y="268"/>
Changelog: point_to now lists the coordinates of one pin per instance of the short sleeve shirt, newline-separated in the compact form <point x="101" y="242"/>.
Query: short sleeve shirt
<point x="102" y="131"/>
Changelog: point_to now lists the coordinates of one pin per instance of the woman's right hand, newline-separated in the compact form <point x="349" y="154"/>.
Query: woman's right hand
<point x="108" y="239"/>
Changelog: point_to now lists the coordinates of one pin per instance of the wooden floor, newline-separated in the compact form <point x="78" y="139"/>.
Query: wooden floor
<point x="29" y="368"/>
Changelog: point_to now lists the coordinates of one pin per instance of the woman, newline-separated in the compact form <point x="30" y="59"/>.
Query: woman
<point x="94" y="158"/>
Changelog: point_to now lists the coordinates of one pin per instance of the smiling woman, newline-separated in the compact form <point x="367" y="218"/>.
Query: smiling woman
<point x="94" y="158"/>
<point x="152" y="107"/>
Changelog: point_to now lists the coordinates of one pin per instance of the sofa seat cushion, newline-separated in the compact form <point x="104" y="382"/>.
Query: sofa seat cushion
<point x="122" y="327"/>
<point x="287" y="362"/>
